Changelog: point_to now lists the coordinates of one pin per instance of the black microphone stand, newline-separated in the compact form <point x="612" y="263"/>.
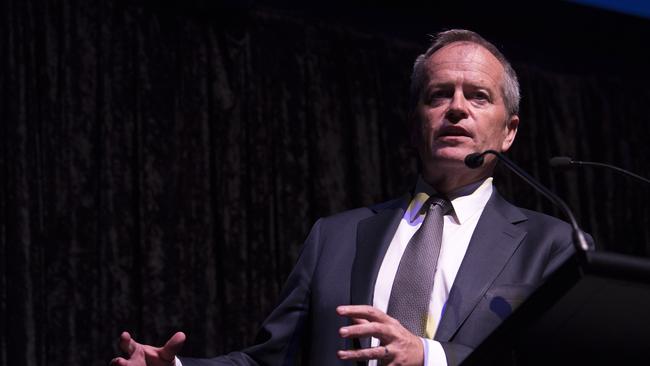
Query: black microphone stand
<point x="567" y="162"/>
<point x="579" y="241"/>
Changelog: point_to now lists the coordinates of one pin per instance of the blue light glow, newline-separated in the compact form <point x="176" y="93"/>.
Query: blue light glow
<point x="639" y="8"/>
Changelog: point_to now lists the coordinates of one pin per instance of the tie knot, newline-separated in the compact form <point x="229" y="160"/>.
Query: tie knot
<point x="444" y="204"/>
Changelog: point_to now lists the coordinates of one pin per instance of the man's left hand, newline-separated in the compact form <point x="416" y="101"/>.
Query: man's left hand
<point x="398" y="345"/>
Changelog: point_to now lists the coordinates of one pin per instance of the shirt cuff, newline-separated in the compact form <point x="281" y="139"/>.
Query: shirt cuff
<point x="178" y="362"/>
<point x="434" y="354"/>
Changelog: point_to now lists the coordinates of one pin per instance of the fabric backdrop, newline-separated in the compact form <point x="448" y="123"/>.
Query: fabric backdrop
<point x="160" y="169"/>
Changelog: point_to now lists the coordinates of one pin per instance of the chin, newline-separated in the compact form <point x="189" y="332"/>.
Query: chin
<point x="437" y="163"/>
<point x="450" y="155"/>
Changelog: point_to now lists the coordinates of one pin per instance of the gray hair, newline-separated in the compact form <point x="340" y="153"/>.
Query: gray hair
<point x="509" y="89"/>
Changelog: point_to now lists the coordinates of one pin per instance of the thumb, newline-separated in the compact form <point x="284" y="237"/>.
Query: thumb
<point x="173" y="346"/>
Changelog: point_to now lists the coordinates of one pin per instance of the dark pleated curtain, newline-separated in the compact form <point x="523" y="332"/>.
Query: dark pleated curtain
<point x="160" y="168"/>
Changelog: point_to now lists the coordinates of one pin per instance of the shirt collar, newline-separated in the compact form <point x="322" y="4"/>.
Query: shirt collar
<point x="467" y="201"/>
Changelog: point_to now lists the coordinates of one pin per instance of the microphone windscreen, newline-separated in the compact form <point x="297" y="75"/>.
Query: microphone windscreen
<point x="474" y="160"/>
<point x="560" y="161"/>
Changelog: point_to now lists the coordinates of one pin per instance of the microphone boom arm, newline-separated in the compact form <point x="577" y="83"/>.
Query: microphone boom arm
<point x="623" y="171"/>
<point x="579" y="240"/>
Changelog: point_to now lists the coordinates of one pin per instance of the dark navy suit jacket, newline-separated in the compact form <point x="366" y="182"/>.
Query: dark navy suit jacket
<point x="511" y="252"/>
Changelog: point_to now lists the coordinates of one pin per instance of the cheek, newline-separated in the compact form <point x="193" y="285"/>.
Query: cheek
<point x="495" y="131"/>
<point x="429" y="121"/>
<point x="496" y="138"/>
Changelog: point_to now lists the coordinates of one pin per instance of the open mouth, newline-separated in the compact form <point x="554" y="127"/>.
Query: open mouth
<point x="453" y="131"/>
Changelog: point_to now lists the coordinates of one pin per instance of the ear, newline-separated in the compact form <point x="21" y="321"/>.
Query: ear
<point x="511" y="132"/>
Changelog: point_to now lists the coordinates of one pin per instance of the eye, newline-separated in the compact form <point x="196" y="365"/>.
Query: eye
<point x="479" y="97"/>
<point x="437" y="96"/>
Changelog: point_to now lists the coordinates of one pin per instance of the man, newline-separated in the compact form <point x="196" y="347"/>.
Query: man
<point x="359" y="266"/>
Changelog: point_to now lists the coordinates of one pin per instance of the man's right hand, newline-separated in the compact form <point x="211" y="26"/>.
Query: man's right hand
<point x="145" y="355"/>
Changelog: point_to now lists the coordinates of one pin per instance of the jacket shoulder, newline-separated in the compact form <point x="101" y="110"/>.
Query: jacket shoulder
<point x="357" y="214"/>
<point x="542" y="221"/>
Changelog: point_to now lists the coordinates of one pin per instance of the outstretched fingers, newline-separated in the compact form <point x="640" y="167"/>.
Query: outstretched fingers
<point x="374" y="329"/>
<point x="127" y="344"/>
<point x="136" y="356"/>
<point x="366" y="312"/>
<point x="398" y="345"/>
<point x="367" y="321"/>
<point x="373" y="353"/>
<point x="173" y="346"/>
<point x="119" y="361"/>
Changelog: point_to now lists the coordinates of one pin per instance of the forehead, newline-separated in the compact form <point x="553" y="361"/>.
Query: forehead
<point x="465" y="60"/>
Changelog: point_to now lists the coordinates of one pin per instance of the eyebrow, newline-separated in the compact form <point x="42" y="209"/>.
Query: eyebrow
<point x="471" y="85"/>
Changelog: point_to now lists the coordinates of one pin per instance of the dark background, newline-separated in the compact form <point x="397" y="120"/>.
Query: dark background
<point x="162" y="161"/>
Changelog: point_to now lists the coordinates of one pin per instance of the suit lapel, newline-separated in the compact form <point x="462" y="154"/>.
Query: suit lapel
<point x="374" y="235"/>
<point x="494" y="241"/>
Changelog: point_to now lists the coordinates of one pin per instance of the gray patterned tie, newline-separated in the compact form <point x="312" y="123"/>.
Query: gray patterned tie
<point x="411" y="292"/>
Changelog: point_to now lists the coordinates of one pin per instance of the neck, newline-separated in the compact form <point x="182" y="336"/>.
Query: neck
<point x="447" y="181"/>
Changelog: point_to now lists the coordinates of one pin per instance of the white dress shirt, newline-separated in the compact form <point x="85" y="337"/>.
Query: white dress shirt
<point x="468" y="203"/>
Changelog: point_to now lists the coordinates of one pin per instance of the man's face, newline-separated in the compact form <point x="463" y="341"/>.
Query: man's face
<point x="461" y="108"/>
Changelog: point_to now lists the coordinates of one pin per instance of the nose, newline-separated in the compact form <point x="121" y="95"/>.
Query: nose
<point x="457" y="108"/>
